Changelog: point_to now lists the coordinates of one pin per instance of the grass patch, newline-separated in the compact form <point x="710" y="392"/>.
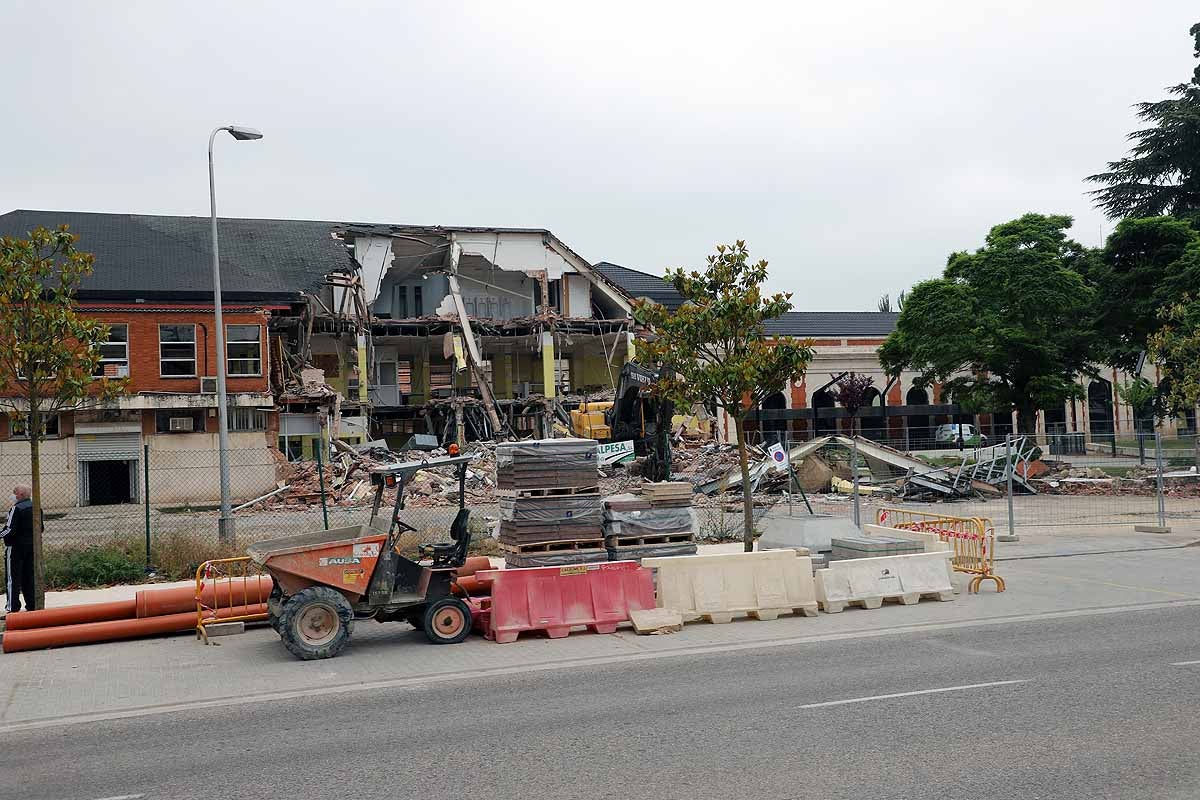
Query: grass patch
<point x="93" y="566"/>
<point x="122" y="560"/>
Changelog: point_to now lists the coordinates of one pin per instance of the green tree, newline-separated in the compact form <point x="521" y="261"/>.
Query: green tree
<point x="1145" y="265"/>
<point x="1007" y="326"/>
<point x="1140" y="394"/>
<point x="1161" y="175"/>
<point x="1175" y="348"/>
<point x="713" y="349"/>
<point x="48" y="352"/>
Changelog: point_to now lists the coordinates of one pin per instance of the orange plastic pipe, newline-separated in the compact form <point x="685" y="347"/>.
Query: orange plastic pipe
<point x="160" y="602"/>
<point x="72" y="615"/>
<point x="472" y="586"/>
<point x="473" y="565"/>
<point x="113" y="630"/>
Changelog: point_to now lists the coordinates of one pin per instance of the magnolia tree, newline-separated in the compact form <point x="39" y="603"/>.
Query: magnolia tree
<point x="48" y="352"/>
<point x="713" y="349"/>
<point x="1176" y="350"/>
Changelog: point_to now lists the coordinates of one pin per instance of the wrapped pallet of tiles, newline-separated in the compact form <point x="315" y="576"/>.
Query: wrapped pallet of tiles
<point x="549" y="502"/>
<point x="655" y="523"/>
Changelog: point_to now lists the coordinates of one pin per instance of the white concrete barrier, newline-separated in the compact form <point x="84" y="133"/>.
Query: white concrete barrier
<point x="867" y="582"/>
<point x="719" y="587"/>
<point x="932" y="542"/>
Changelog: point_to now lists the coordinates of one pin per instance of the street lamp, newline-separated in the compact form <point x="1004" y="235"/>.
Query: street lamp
<point x="225" y="529"/>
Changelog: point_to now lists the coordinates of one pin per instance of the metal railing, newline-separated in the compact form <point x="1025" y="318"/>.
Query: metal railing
<point x="972" y="540"/>
<point x="230" y="590"/>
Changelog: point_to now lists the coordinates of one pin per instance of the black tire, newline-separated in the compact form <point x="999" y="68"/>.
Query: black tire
<point x="316" y="623"/>
<point x="447" y="621"/>
<point x="274" y="609"/>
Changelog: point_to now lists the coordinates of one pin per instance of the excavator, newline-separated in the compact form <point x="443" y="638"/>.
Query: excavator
<point x="636" y="414"/>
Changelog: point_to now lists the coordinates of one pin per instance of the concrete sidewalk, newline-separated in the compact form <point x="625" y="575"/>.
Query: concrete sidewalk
<point x="149" y="676"/>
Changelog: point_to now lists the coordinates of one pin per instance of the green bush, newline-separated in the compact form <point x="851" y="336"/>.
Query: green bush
<point x="96" y="565"/>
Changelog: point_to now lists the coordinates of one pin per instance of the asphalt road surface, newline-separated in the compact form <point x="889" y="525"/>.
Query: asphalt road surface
<point x="1103" y="706"/>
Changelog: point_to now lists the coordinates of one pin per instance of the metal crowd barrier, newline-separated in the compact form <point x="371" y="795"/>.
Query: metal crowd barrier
<point x="973" y="540"/>
<point x="230" y="590"/>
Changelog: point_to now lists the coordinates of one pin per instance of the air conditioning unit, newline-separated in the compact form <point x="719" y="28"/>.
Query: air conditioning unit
<point x="181" y="424"/>
<point x="208" y="386"/>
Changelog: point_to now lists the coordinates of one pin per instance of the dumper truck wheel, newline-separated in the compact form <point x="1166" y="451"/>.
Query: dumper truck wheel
<point x="274" y="609"/>
<point x="316" y="623"/>
<point x="447" y="621"/>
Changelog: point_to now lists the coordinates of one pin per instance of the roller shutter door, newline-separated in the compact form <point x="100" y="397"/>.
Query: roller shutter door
<point x="108" y="446"/>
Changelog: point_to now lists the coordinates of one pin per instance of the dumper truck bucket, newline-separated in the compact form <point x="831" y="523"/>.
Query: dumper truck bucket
<point x="341" y="558"/>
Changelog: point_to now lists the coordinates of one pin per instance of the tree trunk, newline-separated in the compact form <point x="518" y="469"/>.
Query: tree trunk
<point x="747" y="497"/>
<point x="1027" y="419"/>
<point x="35" y="469"/>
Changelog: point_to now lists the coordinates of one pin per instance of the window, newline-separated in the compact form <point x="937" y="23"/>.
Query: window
<point x="247" y="419"/>
<point x="183" y="420"/>
<point x="18" y="426"/>
<point x="177" y="351"/>
<point x="114" y="354"/>
<point x="243" y="346"/>
<point x="292" y="447"/>
<point x="418" y="306"/>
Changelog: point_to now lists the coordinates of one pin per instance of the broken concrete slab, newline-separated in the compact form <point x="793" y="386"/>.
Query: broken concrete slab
<point x="814" y="532"/>
<point x="656" y="621"/>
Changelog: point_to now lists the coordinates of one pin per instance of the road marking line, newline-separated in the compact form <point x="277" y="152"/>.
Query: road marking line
<point x="909" y="694"/>
<point x="122" y="797"/>
<point x="1184" y="663"/>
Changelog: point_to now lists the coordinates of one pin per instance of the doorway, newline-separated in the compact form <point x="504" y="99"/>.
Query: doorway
<point x="774" y="430"/>
<point x="110" y="482"/>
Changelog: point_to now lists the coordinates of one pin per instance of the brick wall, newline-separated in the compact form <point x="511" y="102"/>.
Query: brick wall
<point x="143" y="347"/>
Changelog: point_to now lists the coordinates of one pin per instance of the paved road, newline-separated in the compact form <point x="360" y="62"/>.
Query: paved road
<point x="1090" y="706"/>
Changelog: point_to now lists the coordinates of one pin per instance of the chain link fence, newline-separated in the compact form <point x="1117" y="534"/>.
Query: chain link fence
<point x="1103" y="482"/>
<point x="163" y="508"/>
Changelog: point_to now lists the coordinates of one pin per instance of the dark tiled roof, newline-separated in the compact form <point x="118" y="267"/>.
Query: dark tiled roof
<point x="794" y="323"/>
<point x="640" y="284"/>
<point x="161" y="258"/>
<point x="834" y="323"/>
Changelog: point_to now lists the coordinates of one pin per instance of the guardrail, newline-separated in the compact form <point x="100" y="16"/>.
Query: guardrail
<point x="230" y="590"/>
<point x="973" y="540"/>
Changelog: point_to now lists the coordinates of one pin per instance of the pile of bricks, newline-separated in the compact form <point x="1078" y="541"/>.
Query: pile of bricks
<point x="549" y="502"/>
<point x="657" y="522"/>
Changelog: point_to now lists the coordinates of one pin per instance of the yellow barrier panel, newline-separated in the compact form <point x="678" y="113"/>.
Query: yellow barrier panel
<point x="973" y="540"/>
<point x="226" y="585"/>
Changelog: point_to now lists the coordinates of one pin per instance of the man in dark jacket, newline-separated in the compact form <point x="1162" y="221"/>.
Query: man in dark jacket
<point x="18" y="550"/>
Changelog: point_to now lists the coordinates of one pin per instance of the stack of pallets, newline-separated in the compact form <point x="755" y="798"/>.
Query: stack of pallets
<point x="549" y="502"/>
<point x="658" y="522"/>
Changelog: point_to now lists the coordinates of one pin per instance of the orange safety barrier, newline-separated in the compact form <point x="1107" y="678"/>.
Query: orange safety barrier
<point x="973" y="540"/>
<point x="225" y="586"/>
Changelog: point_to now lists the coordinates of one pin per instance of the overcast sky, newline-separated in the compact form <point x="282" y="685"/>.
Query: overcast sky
<point x="853" y="145"/>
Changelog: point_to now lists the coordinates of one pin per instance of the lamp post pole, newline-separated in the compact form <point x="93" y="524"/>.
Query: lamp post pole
<point x="225" y="525"/>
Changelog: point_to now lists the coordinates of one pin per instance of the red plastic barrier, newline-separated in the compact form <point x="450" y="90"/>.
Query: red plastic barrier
<point x="556" y="599"/>
<point x="71" y="615"/>
<point x="16" y="641"/>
